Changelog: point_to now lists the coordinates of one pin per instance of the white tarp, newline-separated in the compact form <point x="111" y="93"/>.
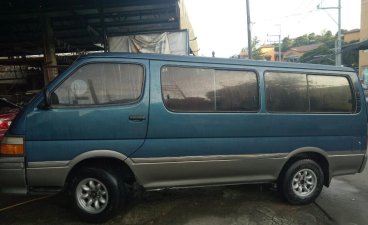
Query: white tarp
<point x="165" y="43"/>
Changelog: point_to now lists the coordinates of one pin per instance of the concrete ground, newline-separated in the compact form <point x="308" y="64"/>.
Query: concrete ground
<point x="345" y="202"/>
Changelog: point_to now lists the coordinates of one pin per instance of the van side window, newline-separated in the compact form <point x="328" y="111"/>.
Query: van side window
<point x="286" y="92"/>
<point x="292" y="92"/>
<point x="101" y="83"/>
<point x="209" y="90"/>
<point x="236" y="91"/>
<point x="329" y="94"/>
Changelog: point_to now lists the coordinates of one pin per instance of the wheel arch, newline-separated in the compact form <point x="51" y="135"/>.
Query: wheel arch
<point x="108" y="159"/>
<point x="318" y="155"/>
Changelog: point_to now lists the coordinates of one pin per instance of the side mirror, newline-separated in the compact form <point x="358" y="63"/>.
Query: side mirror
<point x="46" y="98"/>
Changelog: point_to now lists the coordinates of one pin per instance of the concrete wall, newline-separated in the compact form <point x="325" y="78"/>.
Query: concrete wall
<point x="363" y="55"/>
<point x="351" y="36"/>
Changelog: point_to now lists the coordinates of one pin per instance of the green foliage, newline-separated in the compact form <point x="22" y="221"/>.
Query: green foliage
<point x="306" y="39"/>
<point x="350" y="58"/>
<point x="256" y="52"/>
<point x="312" y="37"/>
<point x="325" y="36"/>
<point x="286" y="44"/>
<point x="325" y="54"/>
<point x="301" y="40"/>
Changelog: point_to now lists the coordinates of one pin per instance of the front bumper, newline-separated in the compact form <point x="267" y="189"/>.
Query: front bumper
<point x="12" y="175"/>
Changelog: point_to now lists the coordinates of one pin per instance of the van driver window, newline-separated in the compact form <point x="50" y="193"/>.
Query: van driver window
<point x="101" y="83"/>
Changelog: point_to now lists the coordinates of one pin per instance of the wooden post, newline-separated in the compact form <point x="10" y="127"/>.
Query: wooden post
<point x="50" y="62"/>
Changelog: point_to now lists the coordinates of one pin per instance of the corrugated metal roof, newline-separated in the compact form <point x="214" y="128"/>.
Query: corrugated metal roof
<point x="361" y="45"/>
<point x="306" y="48"/>
<point x="80" y="24"/>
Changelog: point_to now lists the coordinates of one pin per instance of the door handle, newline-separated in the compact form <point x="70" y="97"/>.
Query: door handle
<point x="137" y="117"/>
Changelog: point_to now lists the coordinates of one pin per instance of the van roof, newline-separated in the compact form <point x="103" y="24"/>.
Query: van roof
<point x="197" y="59"/>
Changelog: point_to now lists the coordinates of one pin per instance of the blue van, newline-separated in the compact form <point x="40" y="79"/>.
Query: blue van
<point x="114" y="121"/>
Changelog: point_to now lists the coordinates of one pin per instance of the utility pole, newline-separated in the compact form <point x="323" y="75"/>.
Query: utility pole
<point x="280" y="48"/>
<point x="249" y="32"/>
<point x="338" y="55"/>
<point x="338" y="42"/>
<point x="279" y="36"/>
<point x="280" y="43"/>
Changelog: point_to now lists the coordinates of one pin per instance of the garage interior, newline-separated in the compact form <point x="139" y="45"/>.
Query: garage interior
<point x="41" y="38"/>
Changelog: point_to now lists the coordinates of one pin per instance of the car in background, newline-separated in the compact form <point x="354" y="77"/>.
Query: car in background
<point x="8" y="111"/>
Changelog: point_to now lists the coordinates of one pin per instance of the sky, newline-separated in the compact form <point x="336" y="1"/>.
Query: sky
<point x="221" y="25"/>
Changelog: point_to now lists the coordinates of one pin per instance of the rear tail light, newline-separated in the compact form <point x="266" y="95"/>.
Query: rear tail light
<point x="5" y="124"/>
<point x="6" y="120"/>
<point x="12" y="146"/>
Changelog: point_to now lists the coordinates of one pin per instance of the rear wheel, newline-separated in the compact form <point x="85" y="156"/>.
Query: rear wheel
<point x="96" y="194"/>
<point x="302" y="182"/>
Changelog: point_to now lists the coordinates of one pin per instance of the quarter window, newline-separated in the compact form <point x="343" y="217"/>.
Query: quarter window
<point x="329" y="94"/>
<point x="286" y="92"/>
<point x="209" y="90"/>
<point x="101" y="83"/>
<point x="293" y="92"/>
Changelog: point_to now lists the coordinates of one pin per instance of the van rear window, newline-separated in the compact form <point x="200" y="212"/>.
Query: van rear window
<point x="291" y="92"/>
<point x="187" y="89"/>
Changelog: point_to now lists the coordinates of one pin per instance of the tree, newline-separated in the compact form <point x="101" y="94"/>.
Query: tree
<point x="302" y="40"/>
<point x="325" y="54"/>
<point x="286" y="44"/>
<point x="350" y="58"/>
<point x="312" y="37"/>
<point x="325" y="36"/>
<point x="256" y="52"/>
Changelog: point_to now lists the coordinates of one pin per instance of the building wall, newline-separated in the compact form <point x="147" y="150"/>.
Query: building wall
<point x="352" y="36"/>
<point x="291" y="55"/>
<point x="185" y="24"/>
<point x="363" y="55"/>
<point x="268" y="53"/>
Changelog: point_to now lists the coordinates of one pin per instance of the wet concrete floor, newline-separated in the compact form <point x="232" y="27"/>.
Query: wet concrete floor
<point x="345" y="202"/>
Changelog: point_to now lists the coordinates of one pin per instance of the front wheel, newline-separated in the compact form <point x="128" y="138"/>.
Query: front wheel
<point x="302" y="182"/>
<point x="96" y="194"/>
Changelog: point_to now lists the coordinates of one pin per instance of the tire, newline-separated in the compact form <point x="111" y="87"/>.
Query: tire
<point x="302" y="182"/>
<point x="96" y="194"/>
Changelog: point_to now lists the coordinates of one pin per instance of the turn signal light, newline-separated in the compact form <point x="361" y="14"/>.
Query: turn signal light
<point x="11" y="149"/>
<point x="12" y="146"/>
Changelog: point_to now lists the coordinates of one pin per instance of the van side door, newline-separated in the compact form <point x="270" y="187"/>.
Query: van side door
<point x="204" y="126"/>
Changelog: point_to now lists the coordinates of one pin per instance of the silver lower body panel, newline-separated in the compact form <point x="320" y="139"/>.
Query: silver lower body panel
<point x="153" y="173"/>
<point x="207" y="170"/>
<point x="12" y="175"/>
<point x="164" y="172"/>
